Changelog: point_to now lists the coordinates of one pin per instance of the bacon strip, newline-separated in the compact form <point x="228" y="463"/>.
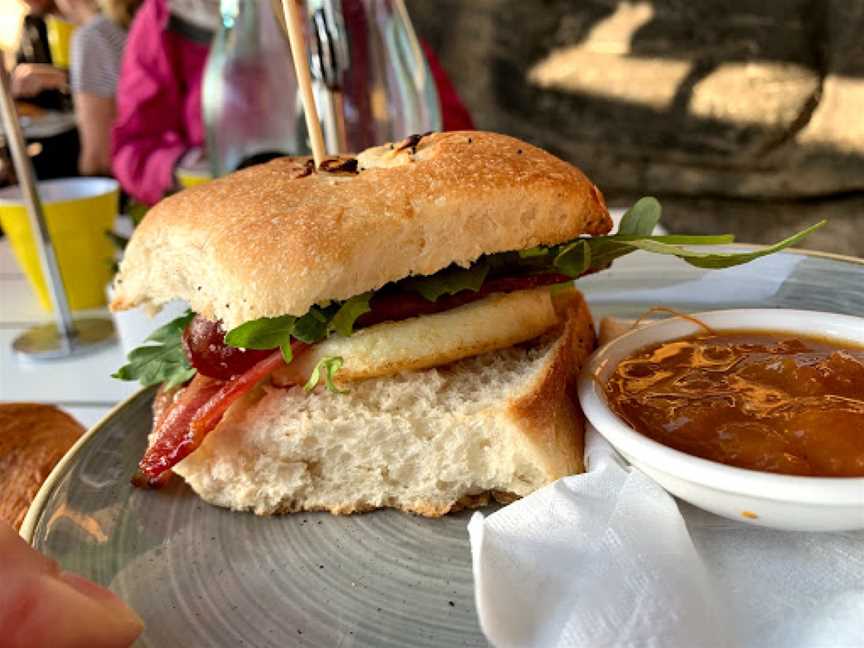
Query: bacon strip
<point x="210" y="414"/>
<point x="174" y="438"/>
<point x="200" y="408"/>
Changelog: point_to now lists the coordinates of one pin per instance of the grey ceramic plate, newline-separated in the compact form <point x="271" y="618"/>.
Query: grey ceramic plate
<point x="201" y="576"/>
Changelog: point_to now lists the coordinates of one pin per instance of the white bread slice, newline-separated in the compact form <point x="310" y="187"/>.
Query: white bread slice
<point x="503" y="423"/>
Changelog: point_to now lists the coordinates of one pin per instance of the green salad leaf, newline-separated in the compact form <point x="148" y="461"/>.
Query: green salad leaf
<point x="574" y="259"/>
<point x="313" y="326"/>
<point x="328" y="366"/>
<point x="530" y="253"/>
<point x="316" y="325"/>
<point x="718" y="260"/>
<point x="345" y="318"/>
<point x="586" y="254"/>
<point x="641" y="218"/>
<point x="264" y="333"/>
<point x="161" y="358"/>
<point x="448" y="281"/>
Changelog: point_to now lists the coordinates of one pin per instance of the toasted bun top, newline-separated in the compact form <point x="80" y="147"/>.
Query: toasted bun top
<point x="277" y="238"/>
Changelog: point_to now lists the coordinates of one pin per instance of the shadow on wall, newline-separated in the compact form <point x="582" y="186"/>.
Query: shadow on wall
<point x="729" y="98"/>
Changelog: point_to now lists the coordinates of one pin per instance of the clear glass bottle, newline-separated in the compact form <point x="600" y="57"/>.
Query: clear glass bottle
<point x="372" y="83"/>
<point x="249" y="93"/>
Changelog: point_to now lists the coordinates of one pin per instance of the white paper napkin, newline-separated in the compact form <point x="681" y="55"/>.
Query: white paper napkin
<point x="607" y="559"/>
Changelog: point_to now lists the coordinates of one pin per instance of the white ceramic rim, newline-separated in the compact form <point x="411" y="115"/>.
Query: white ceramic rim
<point x="826" y="491"/>
<point x="78" y="188"/>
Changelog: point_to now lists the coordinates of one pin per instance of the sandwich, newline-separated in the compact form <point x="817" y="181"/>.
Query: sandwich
<point x="396" y="329"/>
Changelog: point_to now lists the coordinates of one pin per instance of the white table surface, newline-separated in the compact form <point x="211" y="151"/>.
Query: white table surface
<point x="81" y="385"/>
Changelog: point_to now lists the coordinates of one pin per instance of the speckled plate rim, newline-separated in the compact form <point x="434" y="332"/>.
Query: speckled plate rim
<point x="28" y="527"/>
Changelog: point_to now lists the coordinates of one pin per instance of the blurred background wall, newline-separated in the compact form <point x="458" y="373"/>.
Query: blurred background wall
<point x="741" y="115"/>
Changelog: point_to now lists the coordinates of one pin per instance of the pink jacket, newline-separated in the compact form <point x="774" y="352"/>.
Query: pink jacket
<point x="158" y="104"/>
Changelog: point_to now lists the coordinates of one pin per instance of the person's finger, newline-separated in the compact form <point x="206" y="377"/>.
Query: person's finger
<point x="42" y="606"/>
<point x="18" y="555"/>
<point x="63" y="611"/>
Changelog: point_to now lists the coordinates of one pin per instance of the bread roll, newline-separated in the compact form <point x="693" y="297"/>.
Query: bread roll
<point x="33" y="438"/>
<point x="276" y="239"/>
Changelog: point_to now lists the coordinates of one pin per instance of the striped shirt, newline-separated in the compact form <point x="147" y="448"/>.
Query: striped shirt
<point x="97" y="48"/>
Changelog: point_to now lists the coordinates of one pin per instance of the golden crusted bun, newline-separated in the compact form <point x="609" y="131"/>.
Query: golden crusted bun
<point x="276" y="239"/>
<point x="33" y="438"/>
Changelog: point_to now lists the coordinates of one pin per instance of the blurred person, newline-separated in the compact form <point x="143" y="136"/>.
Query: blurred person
<point x="159" y="94"/>
<point x="36" y="81"/>
<point x="39" y="82"/>
<point x="42" y="606"/>
<point x="35" y="77"/>
<point x="159" y="118"/>
<point x="97" y="48"/>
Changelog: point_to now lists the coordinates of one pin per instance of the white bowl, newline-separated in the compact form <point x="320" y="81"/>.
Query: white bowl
<point x="761" y="498"/>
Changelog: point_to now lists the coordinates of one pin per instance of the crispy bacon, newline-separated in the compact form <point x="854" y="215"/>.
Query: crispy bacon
<point x="174" y="438"/>
<point x="199" y="409"/>
<point x="211" y="413"/>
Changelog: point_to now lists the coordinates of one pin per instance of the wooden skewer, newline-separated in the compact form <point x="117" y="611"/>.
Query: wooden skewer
<point x="304" y="78"/>
<point x="419" y="57"/>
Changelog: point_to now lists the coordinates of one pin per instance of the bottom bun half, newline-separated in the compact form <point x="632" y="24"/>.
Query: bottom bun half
<point x="496" y="425"/>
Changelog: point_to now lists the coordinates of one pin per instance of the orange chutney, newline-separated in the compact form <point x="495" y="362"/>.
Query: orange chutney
<point x="759" y="400"/>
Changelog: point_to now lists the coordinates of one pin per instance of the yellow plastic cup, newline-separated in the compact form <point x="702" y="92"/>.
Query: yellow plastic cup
<point x="192" y="176"/>
<point x="59" y="40"/>
<point x="78" y="211"/>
